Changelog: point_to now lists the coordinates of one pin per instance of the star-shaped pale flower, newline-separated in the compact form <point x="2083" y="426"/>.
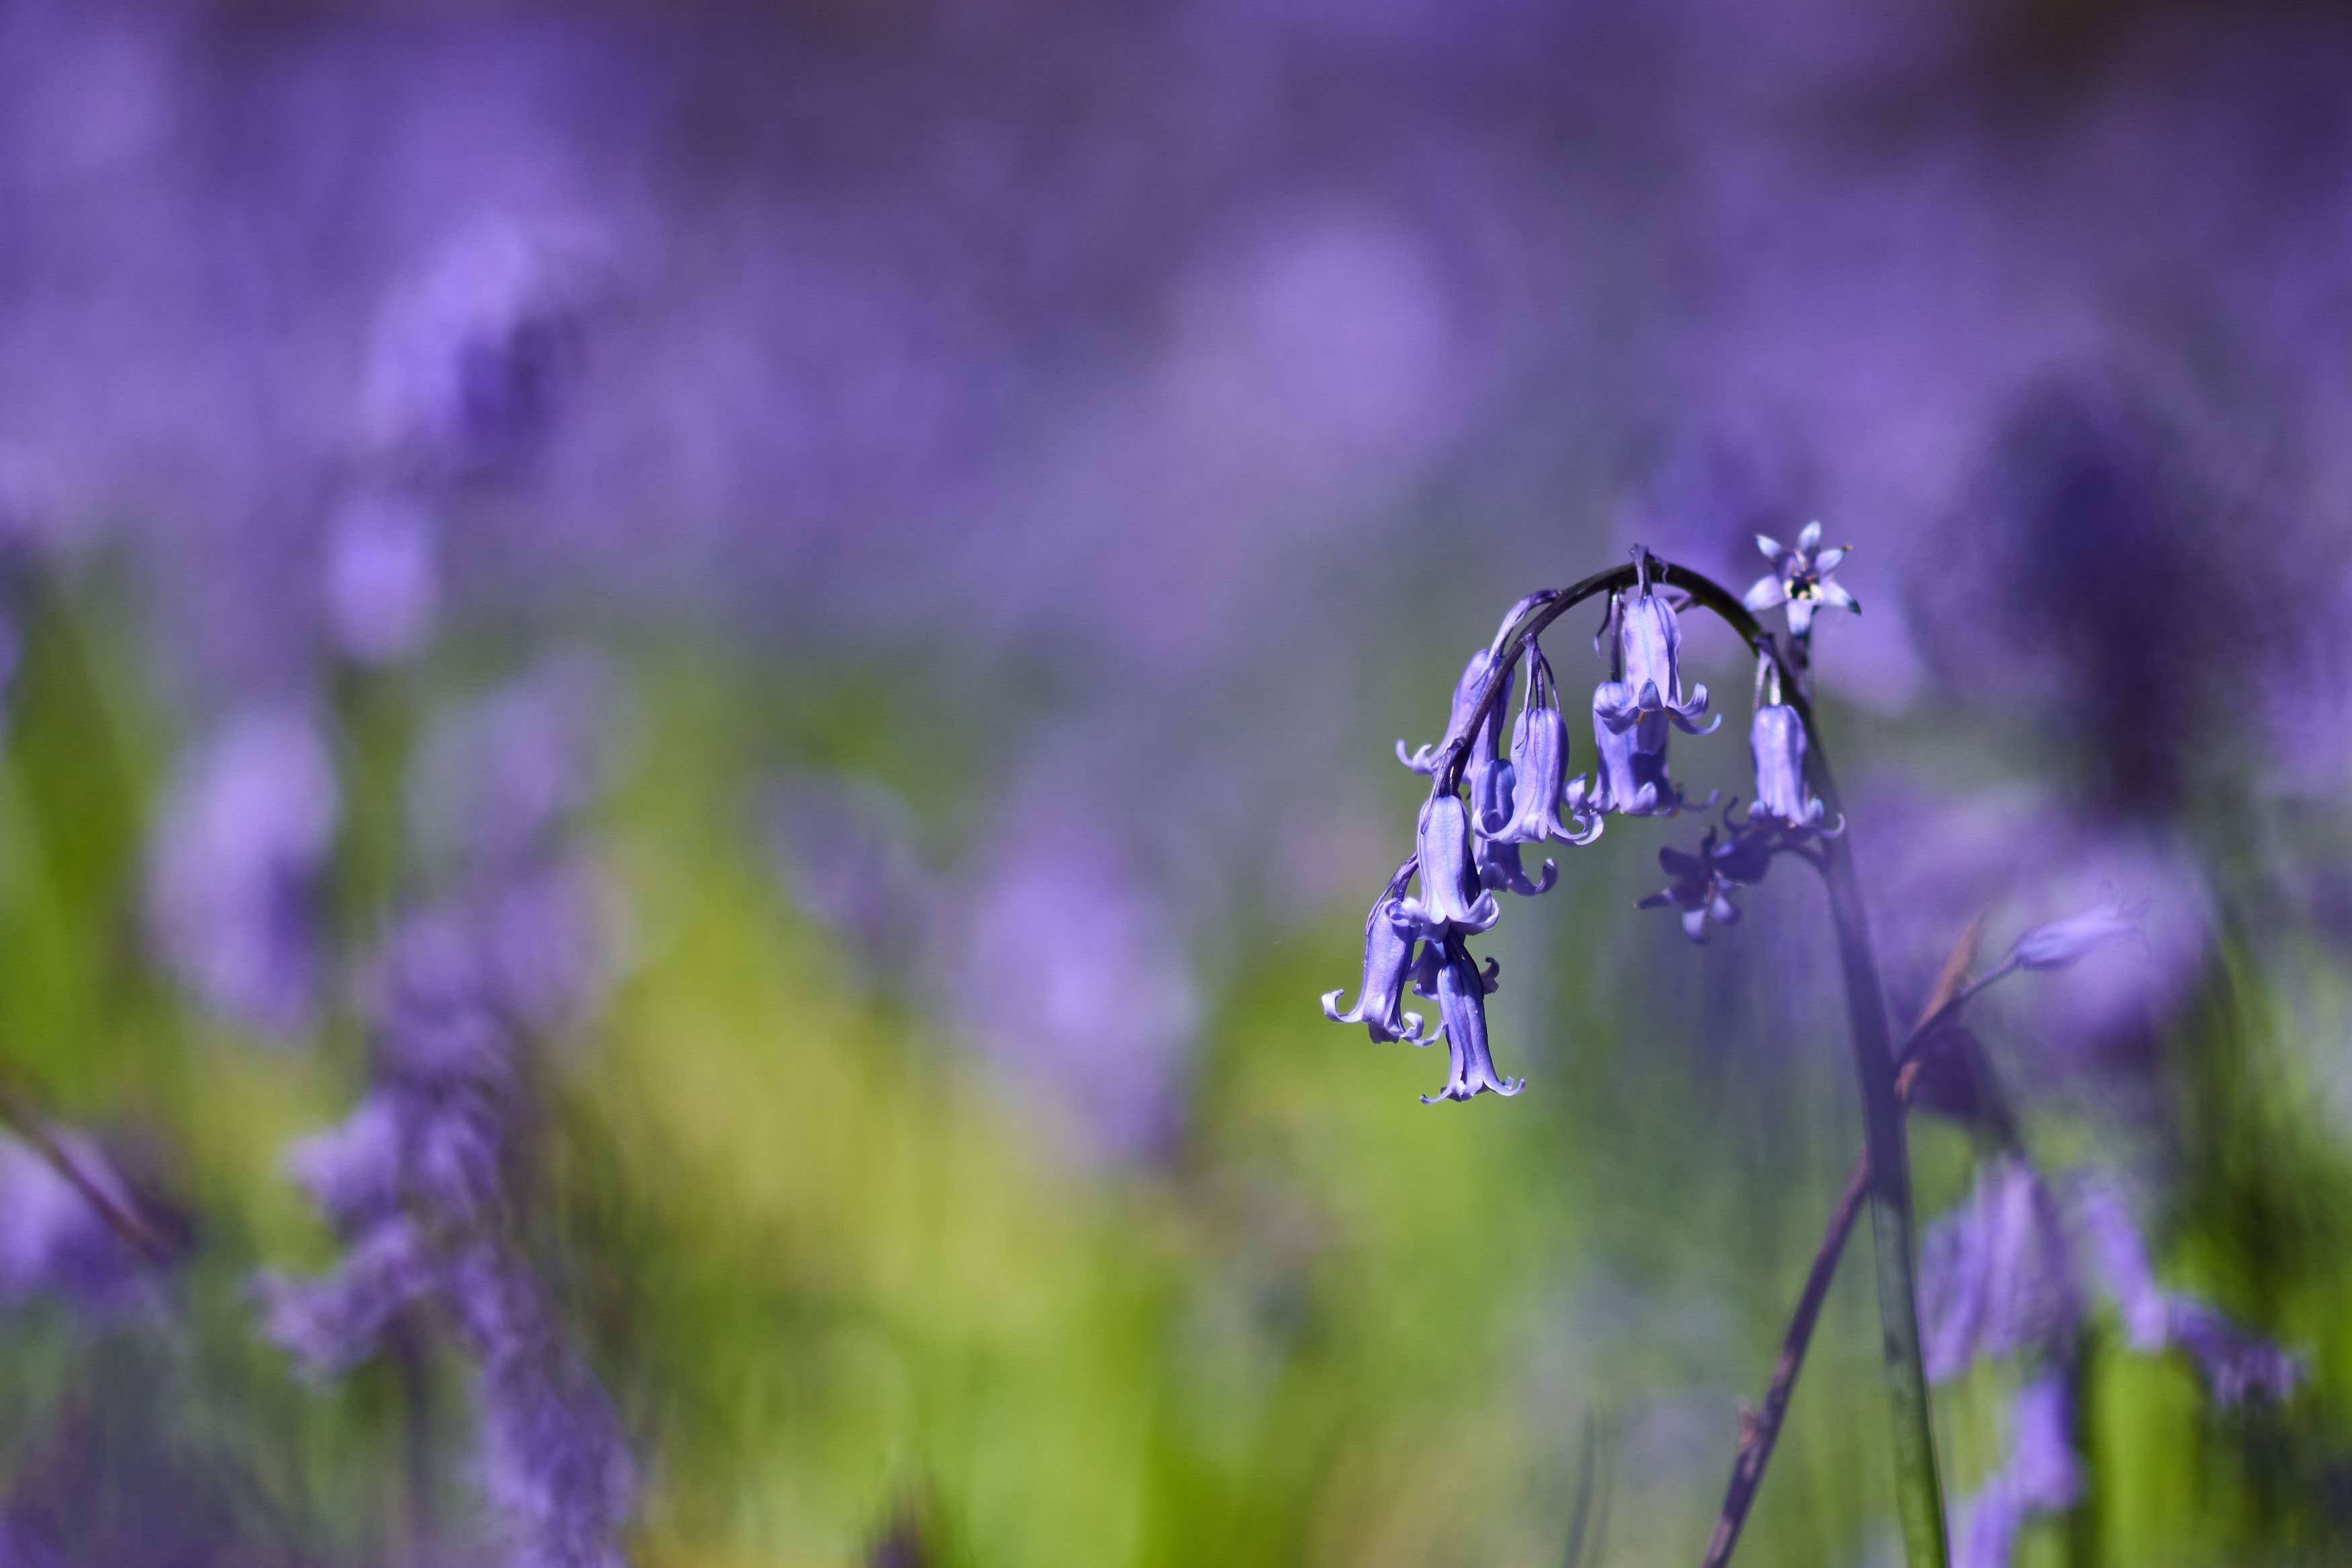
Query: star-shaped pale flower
<point x="1799" y="578"/>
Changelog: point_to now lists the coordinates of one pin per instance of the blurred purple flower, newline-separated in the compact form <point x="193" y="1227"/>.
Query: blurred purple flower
<point x="1994" y="1276"/>
<point x="500" y="779"/>
<point x="470" y="358"/>
<point x="2043" y="1476"/>
<point x="382" y="576"/>
<point x="2061" y="942"/>
<point x="1064" y="963"/>
<point x="1799" y="578"/>
<point x="2236" y="1365"/>
<point x="499" y="786"/>
<point x="332" y="1324"/>
<point x="554" y="1462"/>
<point x="1703" y="882"/>
<point x="235" y="868"/>
<point x="421" y="1181"/>
<point x="846" y="849"/>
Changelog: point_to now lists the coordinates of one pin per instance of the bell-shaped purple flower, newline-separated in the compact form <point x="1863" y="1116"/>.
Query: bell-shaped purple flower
<point x="1539" y="766"/>
<point x="1776" y="742"/>
<point x="1499" y="866"/>
<point x="1631" y="777"/>
<point x="1799" y="578"/>
<point x="1388" y="959"/>
<point x="1451" y="896"/>
<point x="1457" y="724"/>
<point x="1702" y="883"/>
<point x="1462" y="990"/>
<point x="1649" y="658"/>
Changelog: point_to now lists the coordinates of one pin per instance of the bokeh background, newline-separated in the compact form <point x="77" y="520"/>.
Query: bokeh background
<point x="828" y="587"/>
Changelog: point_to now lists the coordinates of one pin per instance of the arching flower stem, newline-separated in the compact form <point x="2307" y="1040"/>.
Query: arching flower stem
<point x="1918" y="1494"/>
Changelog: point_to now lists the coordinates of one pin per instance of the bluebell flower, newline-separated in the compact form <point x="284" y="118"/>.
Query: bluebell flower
<point x="1465" y="698"/>
<point x="1452" y="898"/>
<point x="1776" y="744"/>
<point x="1388" y="960"/>
<point x="1799" y="578"/>
<point x="1462" y="990"/>
<point x="1630" y="776"/>
<point x="1646" y="667"/>
<point x="1497" y="859"/>
<point x="1538" y="769"/>
<point x="1703" y="882"/>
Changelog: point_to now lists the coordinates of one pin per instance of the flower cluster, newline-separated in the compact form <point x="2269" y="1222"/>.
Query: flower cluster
<point x="2010" y="1274"/>
<point x="1486" y="803"/>
<point x="423" y="1180"/>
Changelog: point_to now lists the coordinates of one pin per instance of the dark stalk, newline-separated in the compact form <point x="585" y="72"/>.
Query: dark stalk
<point x="1759" y="1429"/>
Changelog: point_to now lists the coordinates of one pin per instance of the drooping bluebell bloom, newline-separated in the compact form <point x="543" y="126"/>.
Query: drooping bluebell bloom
<point x="1538" y="767"/>
<point x="1465" y="698"/>
<point x="1462" y="990"/>
<point x="1776" y="744"/>
<point x="1388" y="960"/>
<point x="1647" y="666"/>
<point x="1703" y="882"/>
<point x="1499" y="859"/>
<point x="1452" y="898"/>
<point x="1631" y="777"/>
<point x="1799" y="578"/>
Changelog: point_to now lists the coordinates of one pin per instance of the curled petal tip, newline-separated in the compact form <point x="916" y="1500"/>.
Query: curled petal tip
<point x="1331" y="1006"/>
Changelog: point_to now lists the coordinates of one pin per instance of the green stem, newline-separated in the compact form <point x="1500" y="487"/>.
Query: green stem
<point x="1919" y="1494"/>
